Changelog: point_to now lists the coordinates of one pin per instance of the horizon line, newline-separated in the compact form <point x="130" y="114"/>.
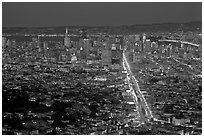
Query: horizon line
<point x="100" y="25"/>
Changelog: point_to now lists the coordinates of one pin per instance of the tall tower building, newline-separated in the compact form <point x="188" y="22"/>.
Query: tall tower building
<point x="143" y="37"/>
<point x="87" y="46"/>
<point x="67" y="42"/>
<point x="8" y="43"/>
<point x="3" y="41"/>
<point x="3" y="46"/>
<point x="45" y="49"/>
<point x="38" y="44"/>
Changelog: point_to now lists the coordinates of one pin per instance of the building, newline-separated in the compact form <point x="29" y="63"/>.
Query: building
<point x="3" y="46"/>
<point x="179" y="121"/>
<point x="137" y="37"/>
<point x="154" y="46"/>
<point x="8" y="43"/>
<point x="45" y="46"/>
<point x="3" y="41"/>
<point x="169" y="50"/>
<point x="67" y="42"/>
<point x="116" y="57"/>
<point x="143" y="37"/>
<point x="116" y="54"/>
<point x="137" y="58"/>
<point x="106" y="57"/>
<point x="65" y="56"/>
<point x="73" y="58"/>
<point x="38" y="44"/>
<point x="146" y="46"/>
<point x="84" y="48"/>
<point x="83" y="33"/>
<point x="45" y="49"/>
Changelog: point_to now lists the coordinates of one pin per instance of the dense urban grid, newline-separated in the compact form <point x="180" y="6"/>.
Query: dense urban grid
<point x="102" y="84"/>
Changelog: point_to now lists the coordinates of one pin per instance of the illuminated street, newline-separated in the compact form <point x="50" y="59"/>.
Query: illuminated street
<point x="140" y="102"/>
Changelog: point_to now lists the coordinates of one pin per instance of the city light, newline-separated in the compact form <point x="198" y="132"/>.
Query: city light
<point x="127" y="67"/>
<point x="100" y="83"/>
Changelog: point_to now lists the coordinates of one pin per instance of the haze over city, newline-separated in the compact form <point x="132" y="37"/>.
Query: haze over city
<point x="42" y="14"/>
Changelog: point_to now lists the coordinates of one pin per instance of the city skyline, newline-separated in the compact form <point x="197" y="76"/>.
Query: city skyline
<point x="98" y="13"/>
<point x="141" y="79"/>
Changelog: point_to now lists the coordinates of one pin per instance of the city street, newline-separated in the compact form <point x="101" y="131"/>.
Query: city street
<point x="140" y="102"/>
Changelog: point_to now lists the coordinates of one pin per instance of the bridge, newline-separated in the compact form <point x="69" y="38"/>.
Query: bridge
<point x="176" y="41"/>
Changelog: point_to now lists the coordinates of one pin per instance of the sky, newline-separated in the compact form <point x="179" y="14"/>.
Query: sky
<point x="38" y="14"/>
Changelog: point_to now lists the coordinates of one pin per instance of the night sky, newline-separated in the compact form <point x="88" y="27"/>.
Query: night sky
<point x="97" y="14"/>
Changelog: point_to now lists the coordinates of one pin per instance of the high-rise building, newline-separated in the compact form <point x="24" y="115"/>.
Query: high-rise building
<point x="45" y="49"/>
<point x="106" y="57"/>
<point x="45" y="46"/>
<point x="142" y="47"/>
<point x="161" y="47"/>
<point x="67" y="42"/>
<point x="3" y="41"/>
<point x="176" y="47"/>
<point x="147" y="45"/>
<point x="8" y="43"/>
<point x="186" y="48"/>
<point x="137" y="37"/>
<point x="116" y="54"/>
<point x="181" y="53"/>
<point x="169" y="51"/>
<point x="130" y="56"/>
<point x="143" y="37"/>
<point x="38" y="44"/>
<point x="182" y="45"/>
<point x="3" y="45"/>
<point x="84" y="47"/>
<point x="139" y="46"/>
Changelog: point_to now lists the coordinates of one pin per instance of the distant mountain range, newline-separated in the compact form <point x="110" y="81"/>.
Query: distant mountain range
<point x="124" y="29"/>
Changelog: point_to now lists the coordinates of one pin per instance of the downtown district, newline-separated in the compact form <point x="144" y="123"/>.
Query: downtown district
<point x="101" y="84"/>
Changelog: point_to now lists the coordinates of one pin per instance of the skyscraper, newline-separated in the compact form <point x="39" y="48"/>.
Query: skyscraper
<point x="8" y="43"/>
<point x="67" y="42"/>
<point x="86" y="46"/>
<point x="38" y="44"/>
<point x="3" y="45"/>
<point x="116" y="54"/>
<point x="106" y="57"/>
<point x="169" y="51"/>
<point x="143" y="37"/>
<point x="45" y="49"/>
<point x="3" y="41"/>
